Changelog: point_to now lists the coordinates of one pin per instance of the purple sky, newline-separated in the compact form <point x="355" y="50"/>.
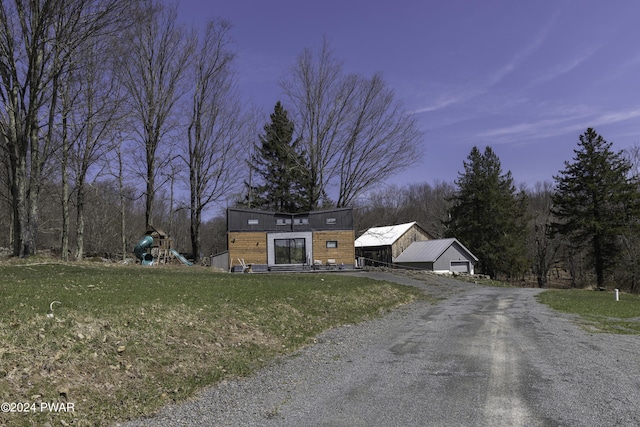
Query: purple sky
<point x="525" y="77"/>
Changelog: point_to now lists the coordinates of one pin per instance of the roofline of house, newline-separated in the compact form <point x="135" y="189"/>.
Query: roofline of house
<point x="288" y="213"/>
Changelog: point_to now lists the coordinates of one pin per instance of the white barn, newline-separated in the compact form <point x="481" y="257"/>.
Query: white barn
<point x="381" y="245"/>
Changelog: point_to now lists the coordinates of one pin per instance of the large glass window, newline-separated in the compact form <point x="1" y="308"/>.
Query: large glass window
<point x="290" y="251"/>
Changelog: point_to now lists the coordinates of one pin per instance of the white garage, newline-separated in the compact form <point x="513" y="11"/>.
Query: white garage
<point x="439" y="256"/>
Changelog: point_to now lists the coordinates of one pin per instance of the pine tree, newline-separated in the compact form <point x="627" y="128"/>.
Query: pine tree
<point x="488" y="216"/>
<point x="280" y="166"/>
<point x="595" y="200"/>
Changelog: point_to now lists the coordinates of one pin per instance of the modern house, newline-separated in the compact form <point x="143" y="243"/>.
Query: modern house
<point x="381" y="245"/>
<point x="439" y="256"/>
<point x="270" y="241"/>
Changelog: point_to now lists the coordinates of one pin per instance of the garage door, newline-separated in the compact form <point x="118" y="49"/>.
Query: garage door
<point x="460" y="266"/>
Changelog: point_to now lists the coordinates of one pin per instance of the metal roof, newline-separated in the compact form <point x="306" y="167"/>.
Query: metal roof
<point x="383" y="236"/>
<point x="430" y="250"/>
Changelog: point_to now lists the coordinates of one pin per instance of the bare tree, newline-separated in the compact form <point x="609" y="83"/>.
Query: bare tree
<point x="65" y="140"/>
<point x="125" y="196"/>
<point x="98" y="112"/>
<point x="6" y="217"/>
<point x="543" y="248"/>
<point x="39" y="40"/>
<point x="122" y="200"/>
<point x="427" y="204"/>
<point x="217" y="131"/>
<point x="380" y="138"/>
<point x="26" y="68"/>
<point x="314" y="89"/>
<point x="354" y="130"/>
<point x="379" y="208"/>
<point x="154" y="61"/>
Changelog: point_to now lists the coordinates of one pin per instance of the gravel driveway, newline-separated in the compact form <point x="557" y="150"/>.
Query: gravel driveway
<point x="482" y="357"/>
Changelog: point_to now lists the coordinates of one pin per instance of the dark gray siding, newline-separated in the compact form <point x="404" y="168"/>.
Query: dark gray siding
<point x="453" y="253"/>
<point x="336" y="219"/>
<point x="417" y="265"/>
<point x="248" y="220"/>
<point x="254" y="220"/>
<point x="220" y="260"/>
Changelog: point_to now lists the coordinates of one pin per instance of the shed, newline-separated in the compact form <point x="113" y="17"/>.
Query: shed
<point x="439" y="256"/>
<point x="381" y="245"/>
<point x="220" y="260"/>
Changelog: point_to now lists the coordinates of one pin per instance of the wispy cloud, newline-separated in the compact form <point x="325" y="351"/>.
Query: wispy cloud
<point x="450" y="96"/>
<point x="628" y="66"/>
<point x="529" y="130"/>
<point x="617" y="116"/>
<point x="520" y="56"/>
<point x="565" y="66"/>
<point x="550" y="127"/>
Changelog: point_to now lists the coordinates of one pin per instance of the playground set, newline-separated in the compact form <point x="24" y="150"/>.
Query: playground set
<point x="155" y="249"/>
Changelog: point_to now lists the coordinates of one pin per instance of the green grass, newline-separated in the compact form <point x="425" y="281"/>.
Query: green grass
<point x="126" y="341"/>
<point x="598" y="311"/>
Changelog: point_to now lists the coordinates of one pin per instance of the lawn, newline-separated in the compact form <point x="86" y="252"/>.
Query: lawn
<point x="124" y="341"/>
<point x="598" y="311"/>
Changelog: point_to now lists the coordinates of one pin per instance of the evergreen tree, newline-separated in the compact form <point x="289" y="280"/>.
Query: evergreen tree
<point x="595" y="200"/>
<point x="488" y="216"/>
<point x="280" y="166"/>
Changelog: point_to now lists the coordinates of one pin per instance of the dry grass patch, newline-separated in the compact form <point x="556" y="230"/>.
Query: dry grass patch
<point x="126" y="341"/>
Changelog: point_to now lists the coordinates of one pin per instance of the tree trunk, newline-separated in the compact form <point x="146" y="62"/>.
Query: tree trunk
<point x="195" y="234"/>
<point x="20" y="214"/>
<point x="150" y="196"/>
<point x="64" y="243"/>
<point x="123" y="235"/>
<point x="599" y="260"/>
<point x="80" y="221"/>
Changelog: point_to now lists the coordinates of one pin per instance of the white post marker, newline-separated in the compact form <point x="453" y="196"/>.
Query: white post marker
<point x="617" y="295"/>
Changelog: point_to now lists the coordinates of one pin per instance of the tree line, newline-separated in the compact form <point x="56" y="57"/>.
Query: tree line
<point x="120" y="94"/>
<point x="583" y="226"/>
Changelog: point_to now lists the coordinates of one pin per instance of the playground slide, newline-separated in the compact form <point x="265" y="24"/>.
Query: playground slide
<point x="180" y="257"/>
<point x="140" y="250"/>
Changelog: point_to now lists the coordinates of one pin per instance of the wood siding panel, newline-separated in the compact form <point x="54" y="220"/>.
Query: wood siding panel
<point x="414" y="234"/>
<point x="250" y="246"/>
<point x="345" y="252"/>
